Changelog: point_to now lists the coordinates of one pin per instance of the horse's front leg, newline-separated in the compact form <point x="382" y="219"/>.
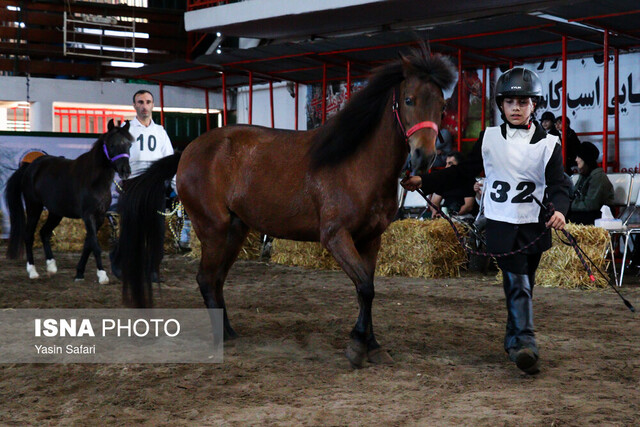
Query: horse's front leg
<point x="341" y="246"/>
<point x="368" y="251"/>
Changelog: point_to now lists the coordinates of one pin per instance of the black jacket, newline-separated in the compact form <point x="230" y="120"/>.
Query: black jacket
<point x="503" y="236"/>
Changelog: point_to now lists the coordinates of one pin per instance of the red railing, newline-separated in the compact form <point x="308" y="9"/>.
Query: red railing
<point x="88" y="120"/>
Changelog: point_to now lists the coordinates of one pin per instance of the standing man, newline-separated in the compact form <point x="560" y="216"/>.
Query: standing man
<point x="151" y="143"/>
<point x="151" y="140"/>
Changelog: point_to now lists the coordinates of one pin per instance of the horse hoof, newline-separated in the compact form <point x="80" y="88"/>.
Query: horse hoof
<point x="31" y="269"/>
<point x="78" y="279"/>
<point x="52" y="268"/>
<point x="379" y="356"/>
<point x="356" y="353"/>
<point x="103" y="279"/>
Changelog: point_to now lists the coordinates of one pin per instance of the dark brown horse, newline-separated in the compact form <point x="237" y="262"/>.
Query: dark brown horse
<point x="79" y="188"/>
<point x="336" y="184"/>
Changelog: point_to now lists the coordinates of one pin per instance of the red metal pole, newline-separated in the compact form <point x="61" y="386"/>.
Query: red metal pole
<point x="460" y="99"/>
<point x="250" y="97"/>
<point x="224" y="99"/>
<point x="271" y="102"/>
<point x="605" y="103"/>
<point x="206" y="102"/>
<point x="348" y="79"/>
<point x="296" y="107"/>
<point x="616" y="106"/>
<point x="564" y="100"/>
<point x="324" y="93"/>
<point x="161" y="104"/>
<point x="483" y="114"/>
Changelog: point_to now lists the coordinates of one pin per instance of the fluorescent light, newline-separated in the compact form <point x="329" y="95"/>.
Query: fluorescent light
<point x="564" y="21"/>
<point x="91" y="46"/>
<point x="112" y="33"/>
<point x="125" y="64"/>
<point x="13" y="8"/>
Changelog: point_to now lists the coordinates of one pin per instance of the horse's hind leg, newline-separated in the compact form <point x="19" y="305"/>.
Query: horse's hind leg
<point x="45" y="235"/>
<point x="220" y="248"/>
<point x="34" y="210"/>
<point x="91" y="245"/>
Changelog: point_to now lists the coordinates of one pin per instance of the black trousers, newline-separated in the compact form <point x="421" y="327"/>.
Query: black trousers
<point x="518" y="278"/>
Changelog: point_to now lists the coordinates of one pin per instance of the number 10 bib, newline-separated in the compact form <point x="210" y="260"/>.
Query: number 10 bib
<point x="515" y="171"/>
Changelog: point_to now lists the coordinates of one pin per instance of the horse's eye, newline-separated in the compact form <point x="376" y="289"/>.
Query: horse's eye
<point x="408" y="101"/>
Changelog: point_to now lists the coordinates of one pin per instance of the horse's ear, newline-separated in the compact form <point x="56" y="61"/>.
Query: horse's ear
<point x="110" y="126"/>
<point x="126" y="126"/>
<point x="407" y="66"/>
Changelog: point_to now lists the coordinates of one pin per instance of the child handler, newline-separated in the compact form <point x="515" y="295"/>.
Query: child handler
<point x="521" y="161"/>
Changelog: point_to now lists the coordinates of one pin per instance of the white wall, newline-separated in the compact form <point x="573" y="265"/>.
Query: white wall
<point x="44" y="92"/>
<point x="283" y="105"/>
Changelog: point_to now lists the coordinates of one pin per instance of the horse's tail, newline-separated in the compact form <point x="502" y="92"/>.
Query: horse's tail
<point x="13" y="194"/>
<point x="141" y="242"/>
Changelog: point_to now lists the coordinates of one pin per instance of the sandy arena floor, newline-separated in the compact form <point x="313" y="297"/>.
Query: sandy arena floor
<point x="288" y="366"/>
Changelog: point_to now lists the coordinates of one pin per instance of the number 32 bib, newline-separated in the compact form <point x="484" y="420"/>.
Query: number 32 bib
<point x="515" y="171"/>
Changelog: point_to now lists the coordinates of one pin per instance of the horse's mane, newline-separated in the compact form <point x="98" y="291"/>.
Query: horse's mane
<point x="348" y="129"/>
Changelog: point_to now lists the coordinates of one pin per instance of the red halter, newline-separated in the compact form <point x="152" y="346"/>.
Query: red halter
<point x="427" y="124"/>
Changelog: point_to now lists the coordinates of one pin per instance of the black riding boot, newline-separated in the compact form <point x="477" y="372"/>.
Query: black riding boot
<point x="519" y="340"/>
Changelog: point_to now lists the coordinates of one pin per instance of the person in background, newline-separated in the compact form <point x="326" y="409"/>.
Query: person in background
<point x="548" y="122"/>
<point x="444" y="146"/>
<point x="151" y="143"/>
<point x="593" y="189"/>
<point x="151" y="140"/>
<point x="458" y="201"/>
<point x="522" y="163"/>
<point x="570" y="139"/>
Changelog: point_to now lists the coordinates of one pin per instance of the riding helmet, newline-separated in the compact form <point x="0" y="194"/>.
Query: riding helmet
<point x="518" y="81"/>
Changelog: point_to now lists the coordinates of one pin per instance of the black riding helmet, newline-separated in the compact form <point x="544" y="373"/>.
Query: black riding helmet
<point x="518" y="81"/>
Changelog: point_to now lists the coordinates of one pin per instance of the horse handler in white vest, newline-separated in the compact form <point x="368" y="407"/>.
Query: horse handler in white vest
<point x="521" y="163"/>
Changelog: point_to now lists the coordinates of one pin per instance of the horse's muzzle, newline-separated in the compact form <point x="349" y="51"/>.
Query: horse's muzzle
<point x="421" y="162"/>
<point x="124" y="172"/>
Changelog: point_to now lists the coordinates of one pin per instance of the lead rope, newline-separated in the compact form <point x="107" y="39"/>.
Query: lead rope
<point x="549" y="210"/>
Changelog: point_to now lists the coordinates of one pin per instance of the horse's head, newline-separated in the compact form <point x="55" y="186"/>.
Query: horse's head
<point x="117" y="143"/>
<point x="421" y="103"/>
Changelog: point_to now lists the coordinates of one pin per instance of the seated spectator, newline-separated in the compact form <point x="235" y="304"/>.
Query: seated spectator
<point x="444" y="146"/>
<point x="459" y="201"/>
<point x="572" y="143"/>
<point x="593" y="189"/>
<point x="548" y="122"/>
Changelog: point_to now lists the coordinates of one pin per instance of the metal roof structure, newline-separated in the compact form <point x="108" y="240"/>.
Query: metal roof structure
<point x="489" y="33"/>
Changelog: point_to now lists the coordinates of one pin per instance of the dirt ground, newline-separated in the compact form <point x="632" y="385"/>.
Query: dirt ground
<point x="288" y="366"/>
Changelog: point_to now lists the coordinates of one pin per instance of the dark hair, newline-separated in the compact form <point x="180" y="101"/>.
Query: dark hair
<point x="548" y="115"/>
<point x="589" y="153"/>
<point x="559" y="119"/>
<point x="456" y="155"/>
<point x="141" y="91"/>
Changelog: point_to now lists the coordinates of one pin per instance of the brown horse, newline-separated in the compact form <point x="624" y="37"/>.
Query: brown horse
<point x="336" y="184"/>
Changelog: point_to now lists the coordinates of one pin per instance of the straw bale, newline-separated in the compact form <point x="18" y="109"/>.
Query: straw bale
<point x="69" y="235"/>
<point x="250" y="249"/>
<point x="409" y="248"/>
<point x="560" y="266"/>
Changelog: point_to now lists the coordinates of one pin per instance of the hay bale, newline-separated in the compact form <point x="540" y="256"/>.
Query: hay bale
<point x="560" y="267"/>
<point x="410" y="248"/>
<point x="250" y="249"/>
<point x="414" y="248"/>
<point x="69" y="235"/>
<point x="302" y="254"/>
